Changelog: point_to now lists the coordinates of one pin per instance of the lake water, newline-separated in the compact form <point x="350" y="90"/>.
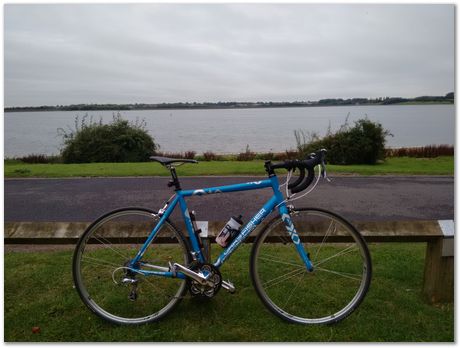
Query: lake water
<point x="230" y="130"/>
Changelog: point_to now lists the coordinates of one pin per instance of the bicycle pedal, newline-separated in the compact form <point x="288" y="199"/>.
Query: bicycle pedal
<point x="228" y="285"/>
<point x="127" y="280"/>
<point x="132" y="295"/>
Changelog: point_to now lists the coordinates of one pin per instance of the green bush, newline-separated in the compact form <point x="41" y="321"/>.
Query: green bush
<point x="364" y="143"/>
<point x="118" y="141"/>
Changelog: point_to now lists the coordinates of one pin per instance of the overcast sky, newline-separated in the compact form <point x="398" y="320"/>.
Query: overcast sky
<point x="149" y="53"/>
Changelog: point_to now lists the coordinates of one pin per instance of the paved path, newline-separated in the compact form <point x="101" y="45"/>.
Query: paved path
<point x="357" y="198"/>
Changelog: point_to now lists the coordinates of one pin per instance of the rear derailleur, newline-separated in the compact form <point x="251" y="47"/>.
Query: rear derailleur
<point x="128" y="278"/>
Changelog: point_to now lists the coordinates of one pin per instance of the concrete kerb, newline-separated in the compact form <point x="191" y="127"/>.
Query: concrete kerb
<point x="438" y="283"/>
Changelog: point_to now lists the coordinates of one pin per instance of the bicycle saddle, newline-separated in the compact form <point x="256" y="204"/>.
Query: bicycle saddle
<point x="167" y="161"/>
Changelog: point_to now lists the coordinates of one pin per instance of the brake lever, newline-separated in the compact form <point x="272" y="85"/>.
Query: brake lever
<point x="323" y="171"/>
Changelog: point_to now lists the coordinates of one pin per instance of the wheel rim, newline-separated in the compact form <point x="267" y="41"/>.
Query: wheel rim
<point x="101" y="260"/>
<point x="341" y="269"/>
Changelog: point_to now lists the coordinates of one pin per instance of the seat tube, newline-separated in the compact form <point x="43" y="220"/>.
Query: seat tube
<point x="191" y="232"/>
<point x="285" y="216"/>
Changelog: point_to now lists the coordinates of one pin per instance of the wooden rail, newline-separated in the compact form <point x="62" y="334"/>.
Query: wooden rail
<point x="438" y="284"/>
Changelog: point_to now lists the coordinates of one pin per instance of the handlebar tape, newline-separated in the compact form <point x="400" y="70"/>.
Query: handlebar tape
<point x="302" y="182"/>
<point x="310" y="165"/>
<point x="298" y="180"/>
<point x="306" y="182"/>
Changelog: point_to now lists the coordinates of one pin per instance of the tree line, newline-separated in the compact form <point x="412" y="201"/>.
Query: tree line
<point x="448" y="98"/>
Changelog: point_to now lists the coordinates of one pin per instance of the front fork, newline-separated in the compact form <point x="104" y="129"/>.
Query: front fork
<point x="286" y="217"/>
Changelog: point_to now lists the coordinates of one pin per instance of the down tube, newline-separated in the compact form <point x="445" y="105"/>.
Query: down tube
<point x="251" y="225"/>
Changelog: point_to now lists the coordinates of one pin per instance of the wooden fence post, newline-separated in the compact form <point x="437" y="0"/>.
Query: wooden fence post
<point x="438" y="283"/>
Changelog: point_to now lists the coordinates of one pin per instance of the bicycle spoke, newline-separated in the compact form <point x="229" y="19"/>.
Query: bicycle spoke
<point x="293" y="289"/>
<point x="283" y="277"/>
<point x="109" y="246"/>
<point x="343" y="274"/>
<point x="340" y="253"/>
<point x="275" y="259"/>
<point x="99" y="262"/>
<point x="156" y="288"/>
<point x="325" y="237"/>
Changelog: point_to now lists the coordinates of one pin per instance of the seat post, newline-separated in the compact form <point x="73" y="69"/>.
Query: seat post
<point x="175" y="180"/>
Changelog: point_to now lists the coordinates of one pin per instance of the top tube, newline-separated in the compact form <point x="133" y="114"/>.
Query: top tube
<point x="253" y="185"/>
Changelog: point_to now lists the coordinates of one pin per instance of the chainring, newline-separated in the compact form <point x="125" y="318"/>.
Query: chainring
<point x="205" y="291"/>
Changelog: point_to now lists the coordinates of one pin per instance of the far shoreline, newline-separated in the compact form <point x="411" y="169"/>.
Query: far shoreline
<point x="216" y="107"/>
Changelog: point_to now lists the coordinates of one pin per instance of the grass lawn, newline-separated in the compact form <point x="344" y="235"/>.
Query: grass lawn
<point x="38" y="291"/>
<point x="397" y="165"/>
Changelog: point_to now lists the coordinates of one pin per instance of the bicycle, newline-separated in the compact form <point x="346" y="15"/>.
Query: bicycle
<point x="133" y="266"/>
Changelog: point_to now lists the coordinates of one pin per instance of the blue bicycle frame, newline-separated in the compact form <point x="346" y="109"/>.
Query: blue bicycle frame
<point x="276" y="200"/>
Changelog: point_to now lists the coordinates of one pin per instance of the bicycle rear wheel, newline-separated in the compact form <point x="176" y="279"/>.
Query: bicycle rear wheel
<point x="341" y="261"/>
<point x="108" y="287"/>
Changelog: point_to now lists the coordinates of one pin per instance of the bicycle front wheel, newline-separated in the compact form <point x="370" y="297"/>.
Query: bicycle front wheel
<point x="108" y="287"/>
<point x="338" y="282"/>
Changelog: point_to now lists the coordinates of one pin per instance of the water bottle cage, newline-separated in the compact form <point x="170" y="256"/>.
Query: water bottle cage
<point x="227" y="235"/>
<point x="233" y="234"/>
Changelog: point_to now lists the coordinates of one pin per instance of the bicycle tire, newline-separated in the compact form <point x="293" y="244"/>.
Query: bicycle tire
<point x="316" y="302"/>
<point x="99" y="258"/>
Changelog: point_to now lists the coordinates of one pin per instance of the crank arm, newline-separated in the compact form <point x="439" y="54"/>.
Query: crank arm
<point x="199" y="277"/>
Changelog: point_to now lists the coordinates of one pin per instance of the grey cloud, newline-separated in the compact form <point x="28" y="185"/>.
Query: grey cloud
<point x="82" y="53"/>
